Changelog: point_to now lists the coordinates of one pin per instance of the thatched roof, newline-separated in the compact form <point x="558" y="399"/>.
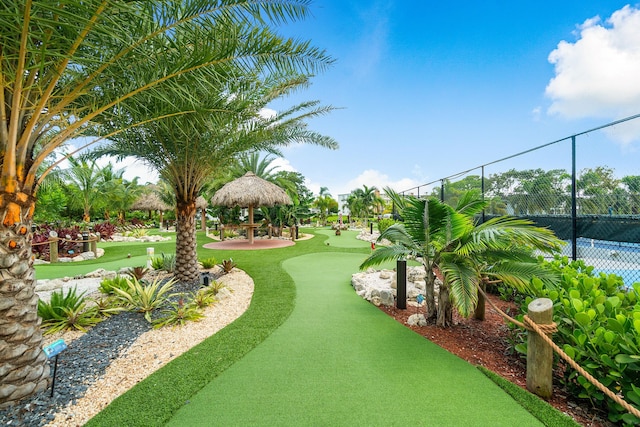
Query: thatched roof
<point x="150" y="202"/>
<point x="250" y="190"/>
<point x="201" y="202"/>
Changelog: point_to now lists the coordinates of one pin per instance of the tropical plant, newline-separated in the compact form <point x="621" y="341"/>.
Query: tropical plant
<point x="178" y="314"/>
<point x="598" y="322"/>
<point x="365" y="201"/>
<point x="208" y="263"/>
<point x="137" y="272"/>
<point x="108" y="306"/>
<point x="323" y="202"/>
<point x="168" y="262"/>
<point x="107" y="284"/>
<point x="204" y="297"/>
<point x="227" y="265"/>
<point x="145" y="298"/>
<point x="67" y="311"/>
<point x="67" y="67"/>
<point x="448" y="240"/>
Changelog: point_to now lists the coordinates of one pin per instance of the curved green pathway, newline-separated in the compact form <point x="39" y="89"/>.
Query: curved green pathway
<point x="338" y="360"/>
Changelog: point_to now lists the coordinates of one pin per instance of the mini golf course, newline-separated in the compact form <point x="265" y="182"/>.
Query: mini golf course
<point x="309" y="351"/>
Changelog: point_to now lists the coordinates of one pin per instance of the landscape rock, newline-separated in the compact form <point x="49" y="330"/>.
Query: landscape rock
<point x="417" y="320"/>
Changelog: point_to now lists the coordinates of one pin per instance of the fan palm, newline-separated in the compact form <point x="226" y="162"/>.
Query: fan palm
<point x="67" y="65"/>
<point x="448" y="240"/>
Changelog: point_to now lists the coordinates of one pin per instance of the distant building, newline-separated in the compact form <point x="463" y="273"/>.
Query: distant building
<point x="342" y="204"/>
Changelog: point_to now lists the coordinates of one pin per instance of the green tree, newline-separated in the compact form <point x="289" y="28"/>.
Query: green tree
<point x="65" y="66"/>
<point x="323" y="202"/>
<point x="448" y="239"/>
<point x="225" y="122"/>
<point x="84" y="178"/>
<point x="632" y="182"/>
<point x="364" y="202"/>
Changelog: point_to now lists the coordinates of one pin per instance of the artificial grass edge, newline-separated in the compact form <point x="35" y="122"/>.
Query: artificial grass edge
<point x="547" y="414"/>
<point x="154" y="400"/>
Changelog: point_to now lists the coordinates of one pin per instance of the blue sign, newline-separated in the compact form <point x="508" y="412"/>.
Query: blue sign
<point x="55" y="348"/>
<point x="419" y="298"/>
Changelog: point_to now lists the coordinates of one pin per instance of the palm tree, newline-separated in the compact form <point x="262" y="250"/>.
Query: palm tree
<point x="323" y="202"/>
<point x="188" y="150"/>
<point x="448" y="240"/>
<point x="85" y="178"/>
<point x="365" y="201"/>
<point x="66" y="66"/>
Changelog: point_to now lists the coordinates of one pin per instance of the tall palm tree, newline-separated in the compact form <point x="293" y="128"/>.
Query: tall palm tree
<point x="65" y="66"/>
<point x="188" y="150"/>
<point x="448" y="239"/>
<point x="84" y="177"/>
<point x="323" y="202"/>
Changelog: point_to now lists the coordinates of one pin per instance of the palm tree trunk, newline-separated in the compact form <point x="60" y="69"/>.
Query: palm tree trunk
<point x="445" y="310"/>
<point x="479" y="313"/>
<point x="24" y="368"/>
<point x="187" y="269"/>
<point x="430" y="298"/>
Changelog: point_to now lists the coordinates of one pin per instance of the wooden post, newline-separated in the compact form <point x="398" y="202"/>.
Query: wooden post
<point x="94" y="245"/>
<point x="293" y="233"/>
<point x="53" y="250"/>
<point x="539" y="353"/>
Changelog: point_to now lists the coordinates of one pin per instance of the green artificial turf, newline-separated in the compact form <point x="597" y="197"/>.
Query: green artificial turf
<point x="546" y="413"/>
<point x="346" y="239"/>
<point x="338" y="360"/>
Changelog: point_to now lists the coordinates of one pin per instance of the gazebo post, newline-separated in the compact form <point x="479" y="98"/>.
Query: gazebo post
<point x="250" y="227"/>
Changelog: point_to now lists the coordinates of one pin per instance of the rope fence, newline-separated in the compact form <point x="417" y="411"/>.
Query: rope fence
<point x="544" y="331"/>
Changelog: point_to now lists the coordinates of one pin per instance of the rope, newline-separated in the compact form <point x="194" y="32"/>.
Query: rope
<point x="616" y="398"/>
<point x="543" y="331"/>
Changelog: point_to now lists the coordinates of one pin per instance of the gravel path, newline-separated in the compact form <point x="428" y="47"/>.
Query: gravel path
<point x="117" y="353"/>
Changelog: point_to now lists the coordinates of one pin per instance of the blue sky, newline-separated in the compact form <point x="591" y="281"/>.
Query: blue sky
<point x="427" y="89"/>
<point x="432" y="88"/>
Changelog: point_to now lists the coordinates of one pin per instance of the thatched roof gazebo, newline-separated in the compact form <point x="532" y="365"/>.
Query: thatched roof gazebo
<point x="250" y="191"/>
<point x="151" y="202"/>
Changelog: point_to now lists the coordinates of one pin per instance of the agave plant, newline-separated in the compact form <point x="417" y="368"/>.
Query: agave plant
<point x="228" y="265"/>
<point x="145" y="298"/>
<point x="80" y="318"/>
<point x="137" y="272"/>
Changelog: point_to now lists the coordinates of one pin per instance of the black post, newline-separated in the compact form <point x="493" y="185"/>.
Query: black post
<point x="401" y="284"/>
<point x="371" y="227"/>
<point x="85" y="241"/>
<point x="482" y="191"/>
<point x="55" y="369"/>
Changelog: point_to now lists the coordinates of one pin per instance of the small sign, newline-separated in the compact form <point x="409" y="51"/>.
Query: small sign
<point x="419" y="298"/>
<point x="55" y="348"/>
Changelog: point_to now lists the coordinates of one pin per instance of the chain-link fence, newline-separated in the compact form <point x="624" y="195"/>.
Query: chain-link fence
<point x="563" y="186"/>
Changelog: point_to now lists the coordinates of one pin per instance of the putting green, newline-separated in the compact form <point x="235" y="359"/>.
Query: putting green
<point x="338" y="360"/>
<point x="347" y="238"/>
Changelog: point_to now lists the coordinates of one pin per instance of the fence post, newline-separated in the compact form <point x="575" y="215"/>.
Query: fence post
<point x="539" y="353"/>
<point x="401" y="284"/>
<point x="94" y="245"/>
<point x="53" y="249"/>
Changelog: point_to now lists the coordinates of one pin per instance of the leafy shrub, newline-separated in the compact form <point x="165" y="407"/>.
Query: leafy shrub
<point x="105" y="229"/>
<point x="204" y="297"/>
<point x="208" y="263"/>
<point x="108" y="306"/>
<point x="67" y="311"/>
<point x="69" y="243"/>
<point x="385" y="223"/>
<point x="599" y="327"/>
<point x="178" y="314"/>
<point x="145" y="298"/>
<point x="106" y="285"/>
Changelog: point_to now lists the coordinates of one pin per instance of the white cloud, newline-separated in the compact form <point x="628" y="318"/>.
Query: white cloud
<point x="597" y="75"/>
<point x="132" y="168"/>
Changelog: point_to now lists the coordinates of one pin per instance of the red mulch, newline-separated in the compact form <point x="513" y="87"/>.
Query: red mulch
<point x="486" y="343"/>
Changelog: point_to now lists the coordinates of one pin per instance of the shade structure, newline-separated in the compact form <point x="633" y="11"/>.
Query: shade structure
<point x="150" y="202"/>
<point x="250" y="191"/>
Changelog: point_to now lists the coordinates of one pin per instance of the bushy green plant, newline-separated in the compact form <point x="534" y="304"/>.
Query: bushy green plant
<point x="107" y="284"/>
<point x="108" y="306"/>
<point x="385" y="223"/>
<point x="67" y="311"/>
<point x="208" y="263"/>
<point x="204" y="297"/>
<point x="145" y="298"/>
<point x="215" y="287"/>
<point x="137" y="233"/>
<point x="599" y="327"/>
<point x="178" y="314"/>
<point x="157" y="263"/>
